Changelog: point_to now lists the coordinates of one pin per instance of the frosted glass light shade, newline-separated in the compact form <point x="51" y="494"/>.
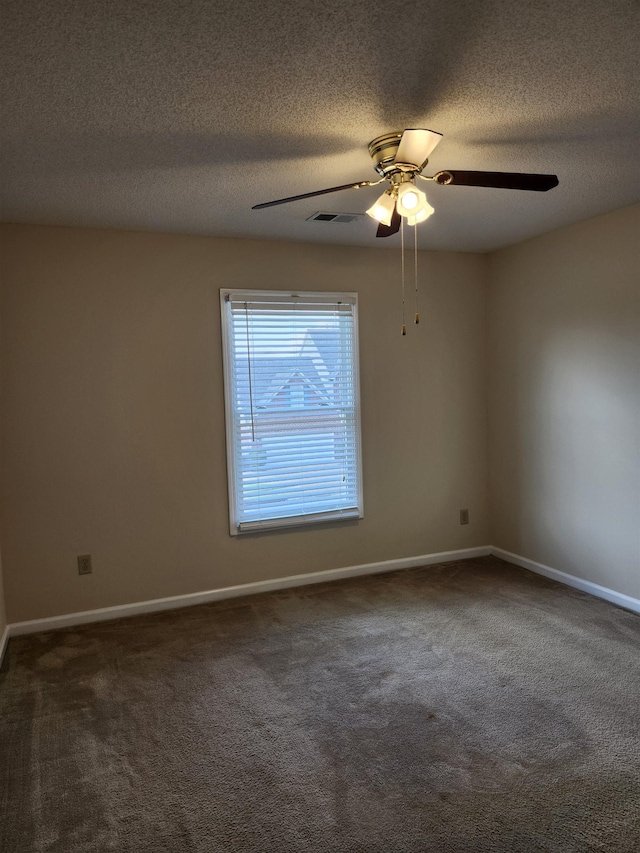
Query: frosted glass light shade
<point x="382" y="209"/>
<point x="423" y="213"/>
<point x="410" y="200"/>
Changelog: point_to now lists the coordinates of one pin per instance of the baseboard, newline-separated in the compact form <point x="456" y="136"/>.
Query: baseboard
<point x="120" y="611"/>
<point x="604" y="592"/>
<point x="3" y="642"/>
<point x="104" y="613"/>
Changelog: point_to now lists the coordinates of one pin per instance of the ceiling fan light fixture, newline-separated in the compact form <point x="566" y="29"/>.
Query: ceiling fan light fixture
<point x="382" y="209"/>
<point x="410" y="200"/>
<point x="423" y="213"/>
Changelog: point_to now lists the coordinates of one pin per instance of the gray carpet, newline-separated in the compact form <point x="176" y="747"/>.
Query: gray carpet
<point x="462" y="708"/>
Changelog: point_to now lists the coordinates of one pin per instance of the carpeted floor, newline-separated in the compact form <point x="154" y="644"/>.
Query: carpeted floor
<point x="469" y="707"/>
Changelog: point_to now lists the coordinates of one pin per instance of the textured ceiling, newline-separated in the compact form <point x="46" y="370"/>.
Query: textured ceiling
<point x="179" y="115"/>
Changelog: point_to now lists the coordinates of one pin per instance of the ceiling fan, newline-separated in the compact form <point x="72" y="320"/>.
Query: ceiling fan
<point x="400" y="158"/>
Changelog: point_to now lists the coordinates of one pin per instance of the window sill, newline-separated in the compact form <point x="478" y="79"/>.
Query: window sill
<point x="296" y="521"/>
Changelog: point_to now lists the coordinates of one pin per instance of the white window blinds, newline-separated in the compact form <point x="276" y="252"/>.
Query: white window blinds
<point x="292" y="408"/>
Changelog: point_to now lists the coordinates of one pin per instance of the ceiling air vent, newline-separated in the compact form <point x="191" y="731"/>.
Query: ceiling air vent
<point x="335" y="217"/>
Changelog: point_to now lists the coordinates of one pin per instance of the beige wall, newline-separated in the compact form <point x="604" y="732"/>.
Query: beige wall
<point x="564" y="399"/>
<point x="113" y="424"/>
<point x="3" y="615"/>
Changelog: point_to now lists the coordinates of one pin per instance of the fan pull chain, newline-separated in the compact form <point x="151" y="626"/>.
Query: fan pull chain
<point x="404" y="328"/>
<point x="415" y="270"/>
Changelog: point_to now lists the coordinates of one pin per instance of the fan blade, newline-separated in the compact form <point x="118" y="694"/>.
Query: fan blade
<point x="416" y="145"/>
<point x="499" y="180"/>
<point x="311" y="195"/>
<point x="388" y="230"/>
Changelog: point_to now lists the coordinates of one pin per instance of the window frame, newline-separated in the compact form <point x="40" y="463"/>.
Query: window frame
<point x="227" y="363"/>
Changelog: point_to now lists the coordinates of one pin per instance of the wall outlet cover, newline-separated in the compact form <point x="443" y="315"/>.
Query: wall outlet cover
<point x="84" y="564"/>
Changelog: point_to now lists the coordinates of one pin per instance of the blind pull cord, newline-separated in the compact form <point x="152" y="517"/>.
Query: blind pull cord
<point x="253" y="427"/>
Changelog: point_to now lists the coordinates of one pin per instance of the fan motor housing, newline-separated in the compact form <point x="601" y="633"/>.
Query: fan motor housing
<point x="383" y="150"/>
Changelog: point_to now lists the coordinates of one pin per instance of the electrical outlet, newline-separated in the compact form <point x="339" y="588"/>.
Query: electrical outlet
<point x="84" y="564"/>
<point x="464" y="516"/>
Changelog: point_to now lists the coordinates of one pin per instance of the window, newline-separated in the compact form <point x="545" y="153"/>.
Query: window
<point x="292" y="408"/>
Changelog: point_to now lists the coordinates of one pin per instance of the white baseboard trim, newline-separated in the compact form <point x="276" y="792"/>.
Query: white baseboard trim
<point x="3" y="642"/>
<point x="611" y="595"/>
<point x="104" y="613"/>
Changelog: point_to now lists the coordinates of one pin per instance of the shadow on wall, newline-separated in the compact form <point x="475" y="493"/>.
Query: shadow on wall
<point x="575" y="442"/>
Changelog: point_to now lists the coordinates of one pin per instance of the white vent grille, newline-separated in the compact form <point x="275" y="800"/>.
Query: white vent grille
<point x="321" y="216"/>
